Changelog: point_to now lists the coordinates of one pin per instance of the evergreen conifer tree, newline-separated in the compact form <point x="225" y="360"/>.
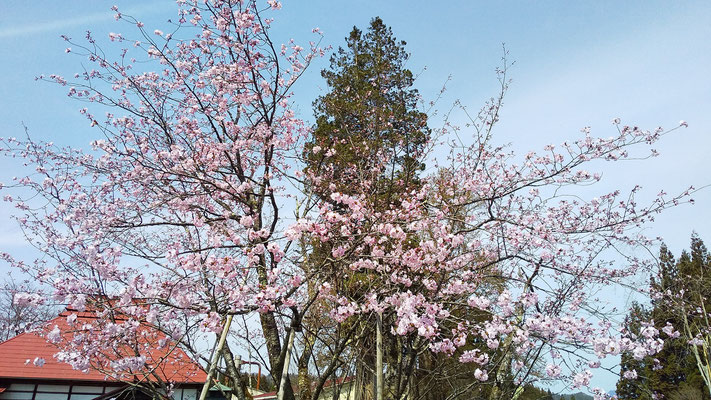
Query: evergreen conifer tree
<point x="370" y="112"/>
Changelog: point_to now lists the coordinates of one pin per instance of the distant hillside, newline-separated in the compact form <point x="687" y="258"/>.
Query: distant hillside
<point x="578" y="396"/>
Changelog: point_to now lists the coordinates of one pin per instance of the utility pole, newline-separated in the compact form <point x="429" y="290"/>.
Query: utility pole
<point x="285" y="369"/>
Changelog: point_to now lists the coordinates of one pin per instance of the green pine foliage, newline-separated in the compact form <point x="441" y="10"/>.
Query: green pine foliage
<point x="369" y="114"/>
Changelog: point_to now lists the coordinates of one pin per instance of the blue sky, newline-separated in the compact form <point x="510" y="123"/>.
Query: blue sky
<point x="576" y="64"/>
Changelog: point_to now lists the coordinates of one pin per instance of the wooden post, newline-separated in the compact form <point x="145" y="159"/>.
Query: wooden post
<point x="285" y="370"/>
<point x="240" y="395"/>
<point x="216" y="357"/>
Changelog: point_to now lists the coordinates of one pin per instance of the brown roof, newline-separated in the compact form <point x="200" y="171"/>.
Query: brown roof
<point x="17" y="357"/>
<point x="338" y="381"/>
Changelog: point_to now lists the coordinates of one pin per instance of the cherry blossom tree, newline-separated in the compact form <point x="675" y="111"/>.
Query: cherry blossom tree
<point x="15" y="317"/>
<point x="193" y="209"/>
<point x="177" y="203"/>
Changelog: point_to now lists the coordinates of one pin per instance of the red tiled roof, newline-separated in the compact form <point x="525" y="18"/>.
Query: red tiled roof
<point x="176" y="366"/>
<point x="338" y="381"/>
<point x="265" y="396"/>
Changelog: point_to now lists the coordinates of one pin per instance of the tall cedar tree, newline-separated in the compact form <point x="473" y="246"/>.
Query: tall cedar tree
<point x="678" y="364"/>
<point x="370" y="112"/>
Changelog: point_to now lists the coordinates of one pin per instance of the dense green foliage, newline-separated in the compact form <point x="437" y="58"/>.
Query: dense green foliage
<point x="531" y="392"/>
<point x="369" y="113"/>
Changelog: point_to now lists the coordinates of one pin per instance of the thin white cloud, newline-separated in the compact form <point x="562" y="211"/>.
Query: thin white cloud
<point x="50" y="26"/>
<point x="24" y="30"/>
